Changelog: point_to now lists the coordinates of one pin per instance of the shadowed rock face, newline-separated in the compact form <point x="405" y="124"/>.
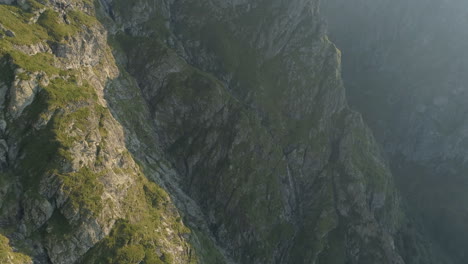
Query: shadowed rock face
<point x="6" y="2"/>
<point x="187" y="132"/>
<point x="263" y="134"/>
<point x="404" y="69"/>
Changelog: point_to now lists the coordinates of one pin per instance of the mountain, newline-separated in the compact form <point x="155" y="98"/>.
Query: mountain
<point x="187" y="131"/>
<point x="404" y="69"/>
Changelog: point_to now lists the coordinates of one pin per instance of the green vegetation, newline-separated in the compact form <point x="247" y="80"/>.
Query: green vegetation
<point x="58" y="30"/>
<point x="123" y="246"/>
<point x="84" y="189"/>
<point x="8" y="256"/>
<point x="61" y="116"/>
<point x="130" y="254"/>
<point x="40" y="62"/>
<point x="148" y="230"/>
<point x="50" y="26"/>
<point x="16" y="19"/>
<point x="62" y="92"/>
<point x="46" y="148"/>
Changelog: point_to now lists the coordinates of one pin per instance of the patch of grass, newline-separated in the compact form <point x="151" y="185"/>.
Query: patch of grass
<point x="7" y="255"/>
<point x="36" y="63"/>
<point x="62" y="93"/>
<point x="68" y="108"/>
<point x="16" y="19"/>
<point x="84" y="190"/>
<point x="44" y="148"/>
<point x="24" y="76"/>
<point x="143" y="236"/>
<point x="130" y="254"/>
<point x="50" y="25"/>
<point x="80" y="19"/>
<point x="56" y="28"/>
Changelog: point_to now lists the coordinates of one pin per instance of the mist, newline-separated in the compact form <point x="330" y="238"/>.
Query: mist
<point x="405" y="69"/>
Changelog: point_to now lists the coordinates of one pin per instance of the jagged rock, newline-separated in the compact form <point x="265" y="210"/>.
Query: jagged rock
<point x="22" y="92"/>
<point x="3" y="92"/>
<point x="10" y="33"/>
<point x="83" y="50"/>
<point x="34" y="49"/>
<point x="7" y="2"/>
<point x="3" y="154"/>
<point x="37" y="212"/>
<point x="21" y="2"/>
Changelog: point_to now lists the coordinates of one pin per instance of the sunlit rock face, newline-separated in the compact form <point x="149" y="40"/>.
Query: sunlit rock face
<point x="404" y="66"/>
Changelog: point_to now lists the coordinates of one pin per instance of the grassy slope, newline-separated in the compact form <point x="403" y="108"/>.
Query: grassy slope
<point x="70" y="104"/>
<point x="7" y="255"/>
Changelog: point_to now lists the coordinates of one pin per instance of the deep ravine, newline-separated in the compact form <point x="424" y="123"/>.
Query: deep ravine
<point x="407" y="60"/>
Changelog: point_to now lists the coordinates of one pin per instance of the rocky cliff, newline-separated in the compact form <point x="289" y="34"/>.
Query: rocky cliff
<point x="404" y="69"/>
<point x="159" y="131"/>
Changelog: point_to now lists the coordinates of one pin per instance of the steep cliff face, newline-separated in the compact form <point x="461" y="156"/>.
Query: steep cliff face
<point x="404" y="70"/>
<point x="236" y="109"/>
<point x="271" y="140"/>
<point x="68" y="180"/>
